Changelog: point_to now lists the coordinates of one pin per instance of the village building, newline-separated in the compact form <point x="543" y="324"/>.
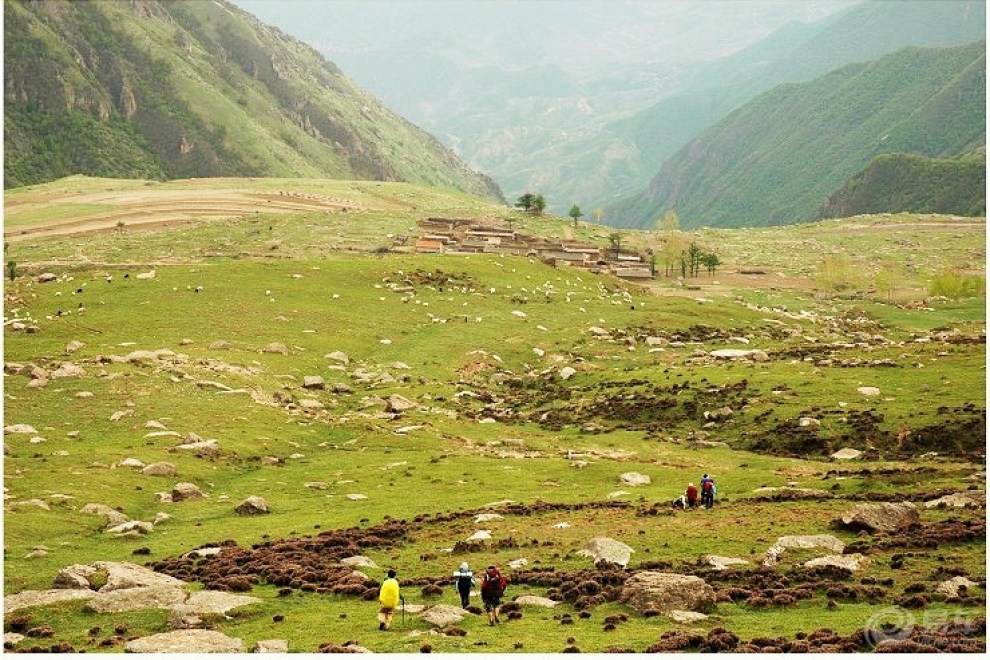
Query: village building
<point x="467" y="236"/>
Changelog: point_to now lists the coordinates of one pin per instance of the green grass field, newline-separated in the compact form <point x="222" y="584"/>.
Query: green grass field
<point x="478" y="347"/>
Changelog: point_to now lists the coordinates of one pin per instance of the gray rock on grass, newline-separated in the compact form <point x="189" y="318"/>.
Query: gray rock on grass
<point x="186" y="641"/>
<point x="883" y="517"/>
<point x="608" y="550"/>
<point x="666" y="592"/>
<point x="443" y="615"/>
<point x="252" y="505"/>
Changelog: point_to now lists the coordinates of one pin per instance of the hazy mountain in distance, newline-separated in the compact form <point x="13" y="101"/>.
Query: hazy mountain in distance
<point x="778" y="158"/>
<point x="502" y="81"/>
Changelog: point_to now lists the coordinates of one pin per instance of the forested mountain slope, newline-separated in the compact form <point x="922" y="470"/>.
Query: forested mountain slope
<point x="194" y="89"/>
<point x="620" y="158"/>
<point x="778" y="158"/>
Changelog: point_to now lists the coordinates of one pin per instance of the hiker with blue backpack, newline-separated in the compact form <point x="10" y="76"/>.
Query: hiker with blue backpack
<point x="464" y="581"/>
<point x="707" y="491"/>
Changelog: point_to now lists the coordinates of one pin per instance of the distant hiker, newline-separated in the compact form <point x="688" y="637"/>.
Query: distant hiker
<point x="708" y="492"/>
<point x="492" y="588"/>
<point x="388" y="597"/>
<point x="691" y="495"/>
<point x="464" y="581"/>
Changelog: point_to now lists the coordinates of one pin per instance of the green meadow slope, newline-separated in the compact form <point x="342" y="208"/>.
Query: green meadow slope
<point x="161" y="90"/>
<point x="381" y="402"/>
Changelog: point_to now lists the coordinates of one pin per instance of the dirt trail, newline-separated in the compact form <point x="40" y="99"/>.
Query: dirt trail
<point x="154" y="208"/>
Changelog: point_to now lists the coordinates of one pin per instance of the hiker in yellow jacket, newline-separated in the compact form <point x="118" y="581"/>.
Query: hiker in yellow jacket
<point x="388" y="596"/>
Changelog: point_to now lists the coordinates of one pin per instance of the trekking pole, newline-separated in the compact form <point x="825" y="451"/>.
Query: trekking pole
<point x="402" y="600"/>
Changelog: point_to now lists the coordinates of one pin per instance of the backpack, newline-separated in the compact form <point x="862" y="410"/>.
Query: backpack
<point x="493" y="584"/>
<point x="464" y="582"/>
<point x="706" y="487"/>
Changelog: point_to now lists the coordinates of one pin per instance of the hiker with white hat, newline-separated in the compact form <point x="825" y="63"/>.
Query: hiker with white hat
<point x="465" y="580"/>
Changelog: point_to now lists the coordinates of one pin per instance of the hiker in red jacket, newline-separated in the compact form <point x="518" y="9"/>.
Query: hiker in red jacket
<point x="691" y="494"/>
<point x="492" y="588"/>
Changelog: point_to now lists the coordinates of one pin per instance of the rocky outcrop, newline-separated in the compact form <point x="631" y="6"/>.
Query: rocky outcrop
<point x="665" y="592"/>
<point x="604" y="549"/>
<point x="884" y="517"/>
<point x="966" y="499"/>
<point x="186" y="641"/>
<point x="46" y="597"/>
<point x="252" y="506"/>
<point x="137" y="598"/>
<point x="443" y="615"/>
<point x="827" y="541"/>
<point x="853" y="562"/>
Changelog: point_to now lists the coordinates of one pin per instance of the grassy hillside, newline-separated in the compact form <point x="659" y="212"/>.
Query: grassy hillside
<point x="600" y="166"/>
<point x="532" y="390"/>
<point x="746" y="171"/>
<point x="175" y="90"/>
<point x="915" y="184"/>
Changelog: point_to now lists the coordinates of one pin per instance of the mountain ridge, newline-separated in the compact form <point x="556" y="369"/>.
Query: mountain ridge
<point x="170" y="90"/>
<point x="748" y="171"/>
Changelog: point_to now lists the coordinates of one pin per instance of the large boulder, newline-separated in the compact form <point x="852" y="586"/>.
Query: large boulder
<point x="271" y="646"/>
<point x="160" y="469"/>
<point x="634" y="479"/>
<point x="883" y="517"/>
<point x="802" y="542"/>
<point x="976" y="499"/>
<point x="665" y="592"/>
<point x="113" y="516"/>
<point x="443" y="615"/>
<point x="604" y="549"/>
<point x="852" y="563"/>
<point x="186" y="491"/>
<point x="252" y="506"/>
<point x="33" y="598"/>
<point x="186" y="641"/>
<point x="951" y="588"/>
<point x="137" y="598"/>
<point x="397" y="403"/>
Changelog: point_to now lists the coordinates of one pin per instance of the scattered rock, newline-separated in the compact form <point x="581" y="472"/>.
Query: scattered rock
<point x="950" y="588"/>
<point x="851" y="562"/>
<point x="608" y="550"/>
<point x="160" y="469"/>
<point x="869" y="391"/>
<point x="481" y="535"/>
<point x="684" y="616"/>
<point x="24" y="599"/>
<point x="826" y="541"/>
<point x="358" y="561"/>
<point x="720" y="563"/>
<point x="276" y="347"/>
<point x="137" y="598"/>
<point x="534" y="601"/>
<point x="131" y="528"/>
<point x="567" y="372"/>
<point x="965" y="499"/>
<point x="68" y="370"/>
<point x="398" y="403"/>
<point x="443" y="615"/>
<point x="113" y="516"/>
<point x="338" y="356"/>
<point x="186" y="641"/>
<point x="487" y="517"/>
<point x="186" y="491"/>
<point x="847" y="454"/>
<point x="252" y="506"/>
<point x="270" y="646"/>
<point x="311" y="404"/>
<point x="665" y="592"/>
<point x="884" y="517"/>
<point x="19" y="428"/>
<point x="634" y="479"/>
<point x="314" y="383"/>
